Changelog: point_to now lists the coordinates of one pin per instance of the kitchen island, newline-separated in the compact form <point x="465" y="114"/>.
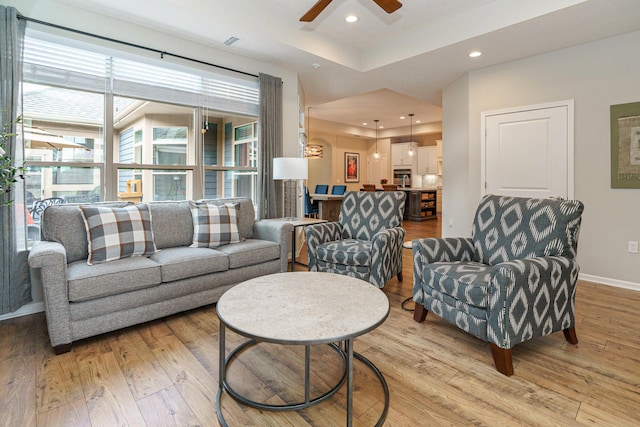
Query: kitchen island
<point x="421" y="203"/>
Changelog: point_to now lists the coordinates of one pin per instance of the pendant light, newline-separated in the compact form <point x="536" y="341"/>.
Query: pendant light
<point x="376" y="155"/>
<point x="411" y="135"/>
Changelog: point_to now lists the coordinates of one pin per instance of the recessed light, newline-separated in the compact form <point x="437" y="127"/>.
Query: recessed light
<point x="402" y="117"/>
<point x="364" y="124"/>
<point x="418" y="121"/>
<point x="381" y="127"/>
<point x="351" y="19"/>
<point x="475" y="54"/>
<point x="315" y="65"/>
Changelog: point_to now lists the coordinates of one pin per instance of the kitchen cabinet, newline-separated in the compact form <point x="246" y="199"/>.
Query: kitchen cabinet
<point x="427" y="161"/>
<point x="400" y="155"/>
<point x="421" y="205"/>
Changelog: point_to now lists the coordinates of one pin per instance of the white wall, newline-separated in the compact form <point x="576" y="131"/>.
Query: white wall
<point x="595" y="75"/>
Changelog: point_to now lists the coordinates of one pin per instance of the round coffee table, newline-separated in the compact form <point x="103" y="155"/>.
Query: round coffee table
<point x="302" y="308"/>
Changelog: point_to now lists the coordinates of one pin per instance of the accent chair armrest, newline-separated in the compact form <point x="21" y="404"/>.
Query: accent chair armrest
<point x="531" y="297"/>
<point x="430" y="250"/>
<point x="386" y="244"/>
<point x="316" y="235"/>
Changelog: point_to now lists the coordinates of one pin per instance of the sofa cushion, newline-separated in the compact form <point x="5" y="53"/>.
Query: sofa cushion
<point x="214" y="225"/>
<point x="250" y="252"/>
<point x="464" y="281"/>
<point x="172" y="225"/>
<point x="116" y="233"/>
<point x="181" y="263"/>
<point x="346" y="252"/>
<point x="111" y="278"/>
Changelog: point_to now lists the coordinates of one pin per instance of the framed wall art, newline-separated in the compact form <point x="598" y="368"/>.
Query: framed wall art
<point x="351" y="167"/>
<point x="625" y="145"/>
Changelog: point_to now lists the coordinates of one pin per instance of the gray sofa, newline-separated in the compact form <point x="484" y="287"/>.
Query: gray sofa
<point x="82" y="301"/>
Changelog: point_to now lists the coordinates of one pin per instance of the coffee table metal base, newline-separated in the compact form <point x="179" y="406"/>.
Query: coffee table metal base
<point x="347" y="354"/>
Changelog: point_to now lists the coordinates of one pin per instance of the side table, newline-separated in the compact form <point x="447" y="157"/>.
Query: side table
<point x="296" y="222"/>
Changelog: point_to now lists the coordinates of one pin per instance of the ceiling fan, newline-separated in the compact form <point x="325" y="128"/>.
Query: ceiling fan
<point x="389" y="6"/>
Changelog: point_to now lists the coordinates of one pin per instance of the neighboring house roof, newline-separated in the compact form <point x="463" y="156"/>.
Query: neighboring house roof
<point x="65" y="105"/>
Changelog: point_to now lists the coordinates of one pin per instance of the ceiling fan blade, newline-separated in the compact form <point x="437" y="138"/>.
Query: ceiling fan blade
<point x="315" y="10"/>
<point x="389" y="5"/>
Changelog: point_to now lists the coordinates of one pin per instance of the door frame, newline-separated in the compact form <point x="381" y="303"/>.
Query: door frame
<point x="569" y="104"/>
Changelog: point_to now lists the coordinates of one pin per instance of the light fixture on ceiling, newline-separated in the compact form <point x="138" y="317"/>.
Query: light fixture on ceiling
<point x="351" y="19"/>
<point x="316" y="65"/>
<point x="411" y="135"/>
<point x="475" y="54"/>
<point x="376" y="155"/>
<point x="312" y="151"/>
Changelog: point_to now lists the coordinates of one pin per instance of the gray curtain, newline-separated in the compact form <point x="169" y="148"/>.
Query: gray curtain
<point x="15" y="288"/>
<point x="270" y="137"/>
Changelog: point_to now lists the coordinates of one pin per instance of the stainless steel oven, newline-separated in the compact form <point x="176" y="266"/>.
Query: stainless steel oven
<point x="402" y="177"/>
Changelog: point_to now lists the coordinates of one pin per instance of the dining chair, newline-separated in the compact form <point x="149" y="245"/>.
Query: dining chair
<point x="338" y="189"/>
<point x="311" y="210"/>
<point x="390" y="187"/>
<point x="369" y="187"/>
<point x="321" y="189"/>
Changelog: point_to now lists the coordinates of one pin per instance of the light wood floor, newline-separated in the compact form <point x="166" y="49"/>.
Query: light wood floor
<point x="166" y="372"/>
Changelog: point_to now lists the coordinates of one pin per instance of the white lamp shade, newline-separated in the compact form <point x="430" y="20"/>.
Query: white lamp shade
<point x="290" y="168"/>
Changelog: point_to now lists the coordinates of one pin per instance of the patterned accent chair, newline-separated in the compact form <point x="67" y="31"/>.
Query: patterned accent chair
<point x="513" y="280"/>
<point x="365" y="243"/>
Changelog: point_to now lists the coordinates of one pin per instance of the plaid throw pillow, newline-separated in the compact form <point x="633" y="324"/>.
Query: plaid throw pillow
<point x="116" y="233"/>
<point x="214" y="225"/>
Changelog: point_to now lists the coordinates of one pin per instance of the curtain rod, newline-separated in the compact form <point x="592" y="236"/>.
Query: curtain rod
<point x="162" y="53"/>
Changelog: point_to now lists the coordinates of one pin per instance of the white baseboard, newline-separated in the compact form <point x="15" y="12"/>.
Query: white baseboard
<point x="610" y="282"/>
<point x="31" y="308"/>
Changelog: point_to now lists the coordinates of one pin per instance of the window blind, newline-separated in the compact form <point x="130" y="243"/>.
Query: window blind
<point x="59" y="63"/>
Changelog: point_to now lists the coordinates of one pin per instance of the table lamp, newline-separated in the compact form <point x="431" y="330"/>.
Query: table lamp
<point x="290" y="169"/>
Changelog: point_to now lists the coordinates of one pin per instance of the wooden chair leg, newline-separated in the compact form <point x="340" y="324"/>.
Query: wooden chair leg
<point x="419" y="313"/>
<point x="502" y="359"/>
<point x="570" y="335"/>
<point x="400" y="277"/>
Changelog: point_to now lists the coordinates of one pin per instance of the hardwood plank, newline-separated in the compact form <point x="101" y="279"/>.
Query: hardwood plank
<point x="17" y="399"/>
<point x="595" y="412"/>
<point x="156" y="334"/>
<point x="109" y="399"/>
<point x="73" y="414"/>
<point x="57" y="381"/>
<point x="166" y="408"/>
<point x="194" y="383"/>
<point x="138" y="364"/>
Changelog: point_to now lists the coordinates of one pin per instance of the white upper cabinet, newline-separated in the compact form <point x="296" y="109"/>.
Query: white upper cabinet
<point x="400" y="155"/>
<point x="427" y="160"/>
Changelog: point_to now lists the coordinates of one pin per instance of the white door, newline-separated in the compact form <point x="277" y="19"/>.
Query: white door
<point x="528" y="151"/>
